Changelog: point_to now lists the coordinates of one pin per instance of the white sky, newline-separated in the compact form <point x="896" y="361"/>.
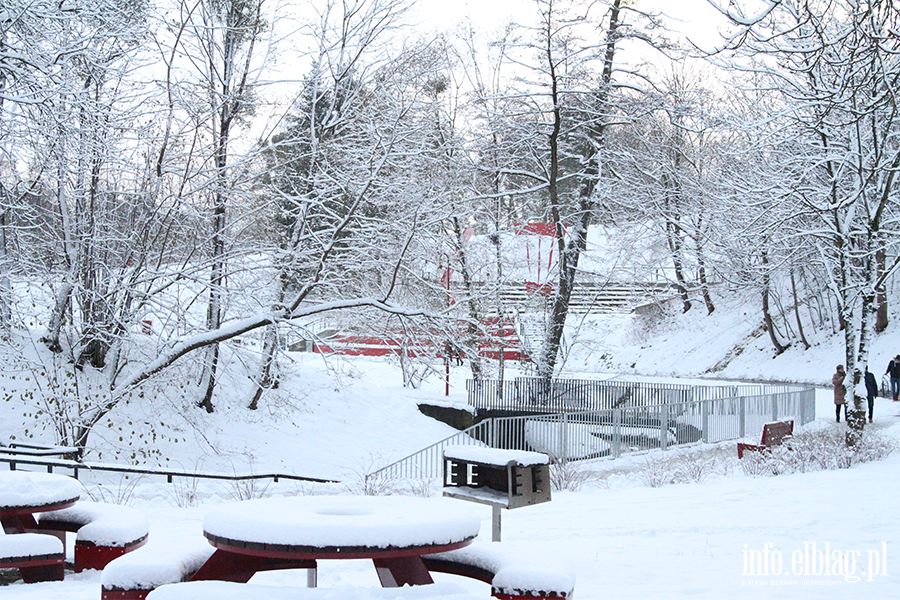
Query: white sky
<point x="693" y="18"/>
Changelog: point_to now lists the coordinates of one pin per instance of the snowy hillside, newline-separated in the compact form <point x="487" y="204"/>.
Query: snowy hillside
<point x="624" y="530"/>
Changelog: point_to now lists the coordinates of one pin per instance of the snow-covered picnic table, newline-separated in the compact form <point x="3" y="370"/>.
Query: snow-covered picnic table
<point x="392" y="531"/>
<point x="38" y="557"/>
<point x="23" y="493"/>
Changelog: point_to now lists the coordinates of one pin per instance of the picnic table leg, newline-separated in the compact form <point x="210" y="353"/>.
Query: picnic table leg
<point x="19" y="523"/>
<point x="397" y="572"/>
<point x="228" y="566"/>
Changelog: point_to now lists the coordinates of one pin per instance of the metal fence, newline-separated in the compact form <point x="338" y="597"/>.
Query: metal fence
<point x="567" y="395"/>
<point x="584" y="435"/>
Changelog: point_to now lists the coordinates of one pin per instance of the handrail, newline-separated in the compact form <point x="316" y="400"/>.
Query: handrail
<point x="657" y="425"/>
<point x="76" y="466"/>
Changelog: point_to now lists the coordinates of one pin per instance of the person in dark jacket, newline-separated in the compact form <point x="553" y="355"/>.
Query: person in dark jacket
<point x="871" y="391"/>
<point x="893" y="371"/>
<point x="840" y="392"/>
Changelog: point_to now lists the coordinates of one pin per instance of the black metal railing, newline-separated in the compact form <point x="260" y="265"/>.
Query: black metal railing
<point x="26" y="454"/>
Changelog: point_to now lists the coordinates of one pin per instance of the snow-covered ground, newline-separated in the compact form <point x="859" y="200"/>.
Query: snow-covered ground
<point x="622" y="537"/>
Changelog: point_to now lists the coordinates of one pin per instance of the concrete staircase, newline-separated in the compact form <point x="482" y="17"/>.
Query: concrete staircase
<point x="602" y="298"/>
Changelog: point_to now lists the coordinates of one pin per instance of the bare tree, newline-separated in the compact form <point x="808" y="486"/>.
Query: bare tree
<point x="833" y="66"/>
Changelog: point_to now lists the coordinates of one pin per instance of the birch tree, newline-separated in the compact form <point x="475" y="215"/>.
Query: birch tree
<point x="834" y="66"/>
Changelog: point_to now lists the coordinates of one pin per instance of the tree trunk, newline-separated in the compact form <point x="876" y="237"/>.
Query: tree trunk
<point x="767" y="315"/>
<point x="881" y="299"/>
<point x="569" y="253"/>
<point x="472" y="329"/>
<point x="797" y="311"/>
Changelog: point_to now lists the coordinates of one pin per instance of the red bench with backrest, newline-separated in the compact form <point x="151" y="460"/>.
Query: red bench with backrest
<point x="773" y="434"/>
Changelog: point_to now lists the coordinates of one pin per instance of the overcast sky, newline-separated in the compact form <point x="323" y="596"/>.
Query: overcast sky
<point x="694" y="18"/>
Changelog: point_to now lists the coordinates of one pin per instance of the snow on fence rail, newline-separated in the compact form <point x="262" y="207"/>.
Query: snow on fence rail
<point x="15" y="458"/>
<point x="593" y="434"/>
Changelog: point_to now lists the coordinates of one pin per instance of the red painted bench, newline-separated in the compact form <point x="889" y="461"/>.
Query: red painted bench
<point x="773" y="434"/>
<point x="513" y="571"/>
<point x="103" y="531"/>
<point x="160" y="562"/>
<point x="38" y="557"/>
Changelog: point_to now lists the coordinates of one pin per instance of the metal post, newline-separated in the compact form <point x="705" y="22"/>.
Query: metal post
<point x="704" y="421"/>
<point x="495" y="523"/>
<point x="312" y="577"/>
<point x="664" y="426"/>
<point x="564" y="438"/>
<point x="743" y="416"/>
<point x="774" y="407"/>
<point x="617" y="432"/>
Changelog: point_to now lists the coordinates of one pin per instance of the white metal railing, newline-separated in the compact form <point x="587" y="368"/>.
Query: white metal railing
<point x="583" y="435"/>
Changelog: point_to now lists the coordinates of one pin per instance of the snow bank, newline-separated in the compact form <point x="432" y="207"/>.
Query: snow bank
<point x="365" y="521"/>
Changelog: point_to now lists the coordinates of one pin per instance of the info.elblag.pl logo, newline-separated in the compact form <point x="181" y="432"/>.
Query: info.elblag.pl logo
<point x="813" y="564"/>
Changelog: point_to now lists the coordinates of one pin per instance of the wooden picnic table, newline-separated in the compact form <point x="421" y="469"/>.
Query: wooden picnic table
<point x="23" y="493"/>
<point x="39" y="557"/>
<point x="295" y="532"/>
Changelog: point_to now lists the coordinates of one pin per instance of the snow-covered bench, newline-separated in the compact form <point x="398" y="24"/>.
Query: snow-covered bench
<point x="39" y="557"/>
<point x="134" y="575"/>
<point x="222" y="590"/>
<point x="104" y="531"/>
<point x="514" y="572"/>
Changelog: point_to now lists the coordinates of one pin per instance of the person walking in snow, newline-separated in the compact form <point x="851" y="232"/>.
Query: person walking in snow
<point x="893" y="371"/>
<point x="871" y="391"/>
<point x="840" y="392"/>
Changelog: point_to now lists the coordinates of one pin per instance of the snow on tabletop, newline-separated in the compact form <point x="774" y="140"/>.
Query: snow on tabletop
<point x="363" y="521"/>
<point x="23" y="489"/>
<point x="493" y="456"/>
<point x="514" y="567"/>
<point x="157" y="563"/>
<point x="103" y="524"/>
<point x="223" y="590"/>
<point x="29" y="544"/>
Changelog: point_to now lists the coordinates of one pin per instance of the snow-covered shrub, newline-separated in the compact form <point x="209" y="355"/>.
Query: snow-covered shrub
<point x="184" y="492"/>
<point x="657" y="471"/>
<point x="568" y="475"/>
<point x="820" y="450"/>
<point x="248" y="489"/>
<point x="423" y="488"/>
<point x="695" y="466"/>
<point x="691" y="466"/>
<point x="121" y="493"/>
